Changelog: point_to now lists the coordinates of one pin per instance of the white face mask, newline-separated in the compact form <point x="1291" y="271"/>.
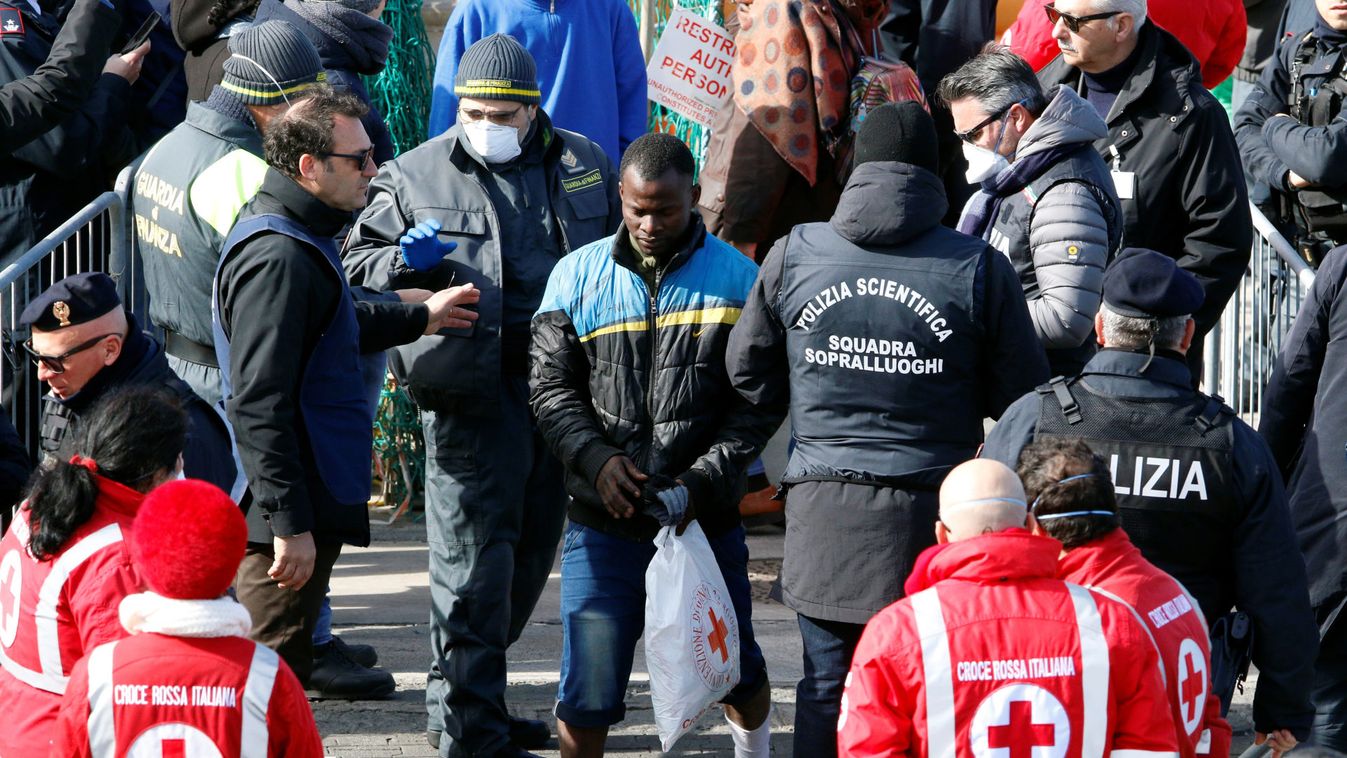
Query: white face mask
<point x="495" y="143"/>
<point x="983" y="164"/>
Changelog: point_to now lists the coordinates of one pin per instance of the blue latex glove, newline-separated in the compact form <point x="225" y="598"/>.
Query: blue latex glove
<point x="670" y="506"/>
<point x="421" y="247"/>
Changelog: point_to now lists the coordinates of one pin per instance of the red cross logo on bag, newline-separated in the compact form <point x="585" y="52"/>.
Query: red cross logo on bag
<point x="1020" y="721"/>
<point x="717" y="636"/>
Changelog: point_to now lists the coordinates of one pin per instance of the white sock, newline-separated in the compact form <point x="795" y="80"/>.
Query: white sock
<point x="755" y="743"/>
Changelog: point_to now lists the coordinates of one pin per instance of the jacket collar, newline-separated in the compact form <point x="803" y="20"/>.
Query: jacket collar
<point x="118" y="498"/>
<point x="280" y="193"/>
<point x="1167" y="367"/>
<point x="222" y="116"/>
<point x="137" y="350"/>
<point x="1068" y="120"/>
<point x="694" y="239"/>
<point x="1012" y="555"/>
<point x="1097" y="559"/>
<point x="1160" y="55"/>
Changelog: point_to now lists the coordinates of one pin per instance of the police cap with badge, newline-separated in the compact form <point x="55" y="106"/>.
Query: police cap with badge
<point x="74" y="300"/>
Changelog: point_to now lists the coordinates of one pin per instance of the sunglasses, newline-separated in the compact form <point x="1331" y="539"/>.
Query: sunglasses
<point x="499" y="118"/>
<point x="361" y="159"/>
<point x="972" y="135"/>
<point x="1071" y="22"/>
<point x="56" y="363"/>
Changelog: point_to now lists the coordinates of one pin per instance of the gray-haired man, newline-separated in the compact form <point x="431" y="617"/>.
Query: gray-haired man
<point x="1169" y="144"/>
<point x="1045" y="200"/>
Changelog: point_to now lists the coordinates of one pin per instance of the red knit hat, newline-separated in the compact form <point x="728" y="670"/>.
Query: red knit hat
<point x="188" y="539"/>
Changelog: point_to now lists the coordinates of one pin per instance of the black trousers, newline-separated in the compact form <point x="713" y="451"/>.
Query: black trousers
<point x="1330" y="676"/>
<point x="283" y="620"/>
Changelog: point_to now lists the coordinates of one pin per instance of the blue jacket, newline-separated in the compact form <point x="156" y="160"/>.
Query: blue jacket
<point x="621" y="370"/>
<point x="590" y="67"/>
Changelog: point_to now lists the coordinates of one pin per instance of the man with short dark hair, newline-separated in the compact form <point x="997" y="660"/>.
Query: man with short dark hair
<point x="1198" y="490"/>
<point x="630" y="390"/>
<point x="1071" y="492"/>
<point x="288" y="336"/>
<point x="191" y="186"/>
<point x="890" y="338"/>
<point x="1045" y="200"/>
<point x="1175" y="164"/>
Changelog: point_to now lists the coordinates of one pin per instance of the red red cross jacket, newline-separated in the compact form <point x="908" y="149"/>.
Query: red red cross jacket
<point x="998" y="657"/>
<point x="180" y="697"/>
<point x="1114" y="566"/>
<point x="53" y="612"/>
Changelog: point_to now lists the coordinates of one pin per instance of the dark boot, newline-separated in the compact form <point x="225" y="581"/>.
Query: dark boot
<point x="337" y="677"/>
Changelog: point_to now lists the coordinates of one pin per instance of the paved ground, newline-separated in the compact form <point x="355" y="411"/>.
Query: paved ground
<point x="381" y="597"/>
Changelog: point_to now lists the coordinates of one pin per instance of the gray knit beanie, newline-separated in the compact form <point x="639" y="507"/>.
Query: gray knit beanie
<point x="498" y="68"/>
<point x="269" y="62"/>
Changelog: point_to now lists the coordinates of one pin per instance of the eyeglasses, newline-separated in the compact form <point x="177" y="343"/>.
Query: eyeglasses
<point x="361" y="159"/>
<point x="1073" y="22"/>
<point x="56" y="363"/>
<point x="499" y="118"/>
<point x="972" y="135"/>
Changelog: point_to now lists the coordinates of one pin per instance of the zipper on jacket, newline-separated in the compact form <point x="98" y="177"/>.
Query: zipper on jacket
<point x="653" y="319"/>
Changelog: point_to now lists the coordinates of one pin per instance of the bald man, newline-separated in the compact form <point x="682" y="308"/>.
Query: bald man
<point x="992" y="649"/>
<point x="84" y="344"/>
<point x="979" y="497"/>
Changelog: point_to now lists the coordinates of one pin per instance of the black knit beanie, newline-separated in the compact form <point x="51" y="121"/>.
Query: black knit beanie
<point x="498" y="68"/>
<point x="269" y="62"/>
<point x="902" y="132"/>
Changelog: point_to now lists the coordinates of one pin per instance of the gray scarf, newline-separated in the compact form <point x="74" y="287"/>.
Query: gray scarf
<point x="358" y="38"/>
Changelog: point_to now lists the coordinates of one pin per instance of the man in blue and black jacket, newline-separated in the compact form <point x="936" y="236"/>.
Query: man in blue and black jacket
<point x="630" y="390"/>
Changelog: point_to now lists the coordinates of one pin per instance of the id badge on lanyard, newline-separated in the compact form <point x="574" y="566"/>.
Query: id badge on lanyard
<point x="1124" y="182"/>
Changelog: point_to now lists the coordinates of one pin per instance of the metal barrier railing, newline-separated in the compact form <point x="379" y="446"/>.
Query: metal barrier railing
<point x="1243" y="348"/>
<point x="98" y="238"/>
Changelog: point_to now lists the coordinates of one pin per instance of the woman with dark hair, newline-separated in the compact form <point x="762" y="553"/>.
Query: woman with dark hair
<point x="64" y="566"/>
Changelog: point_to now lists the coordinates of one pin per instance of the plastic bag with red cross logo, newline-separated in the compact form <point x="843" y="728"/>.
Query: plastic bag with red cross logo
<point x="691" y="632"/>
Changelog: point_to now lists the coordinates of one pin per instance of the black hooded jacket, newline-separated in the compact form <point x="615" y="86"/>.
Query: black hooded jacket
<point x="890" y="337"/>
<point x="1189" y="201"/>
<point x="868" y="424"/>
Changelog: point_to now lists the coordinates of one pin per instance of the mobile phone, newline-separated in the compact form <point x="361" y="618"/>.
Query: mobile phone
<point x="142" y="34"/>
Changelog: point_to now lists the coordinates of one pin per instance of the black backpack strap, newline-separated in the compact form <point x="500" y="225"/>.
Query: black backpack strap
<point x="1060" y="387"/>
<point x="1211" y="414"/>
<point x="1304" y="54"/>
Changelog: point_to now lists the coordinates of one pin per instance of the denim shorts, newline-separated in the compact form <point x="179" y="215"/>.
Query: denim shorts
<point x="603" y="615"/>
